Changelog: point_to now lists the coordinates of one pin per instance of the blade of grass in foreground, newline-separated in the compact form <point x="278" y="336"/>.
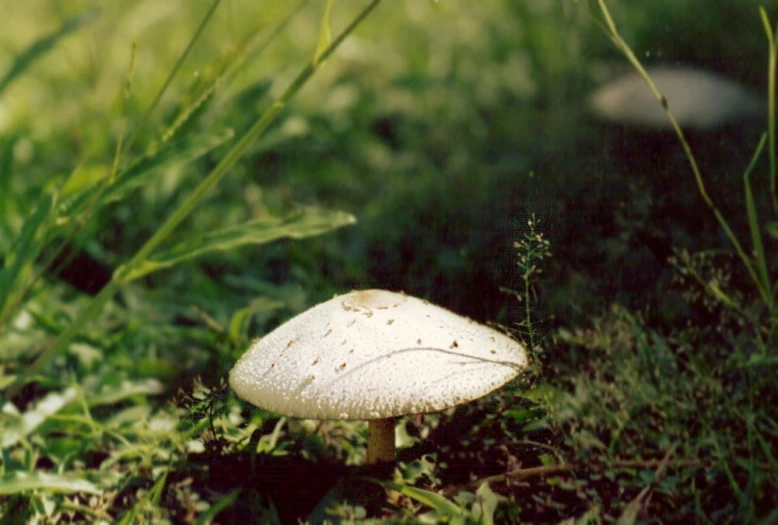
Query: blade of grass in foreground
<point x="153" y="496"/>
<point x="189" y="204"/>
<point x="434" y="500"/>
<point x="43" y="45"/>
<point x="173" y="72"/>
<point x="174" y="154"/>
<point x="771" y="67"/>
<point x="15" y="482"/>
<point x="23" y="252"/>
<point x="304" y="223"/>
<point x="753" y="224"/>
<point x="17" y="427"/>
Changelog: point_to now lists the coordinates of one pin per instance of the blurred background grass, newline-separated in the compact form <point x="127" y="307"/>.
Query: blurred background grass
<point x="441" y="126"/>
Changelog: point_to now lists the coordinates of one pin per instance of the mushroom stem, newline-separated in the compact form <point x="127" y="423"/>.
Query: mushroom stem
<point x="380" y="440"/>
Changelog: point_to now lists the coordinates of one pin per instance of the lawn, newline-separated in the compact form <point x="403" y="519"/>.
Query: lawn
<point x="178" y="179"/>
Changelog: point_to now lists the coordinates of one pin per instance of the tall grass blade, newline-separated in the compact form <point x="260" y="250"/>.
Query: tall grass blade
<point x="303" y="223"/>
<point x="173" y="72"/>
<point x="772" y="229"/>
<point x="208" y="516"/>
<point x="325" y="34"/>
<point x="431" y="499"/>
<point x="17" y="427"/>
<point x="203" y="89"/>
<point x="753" y="225"/>
<point x="140" y="173"/>
<point x="23" y="252"/>
<point x="257" y="48"/>
<point x="771" y="71"/>
<point x="43" y="45"/>
<point x="152" y="495"/>
<point x="8" y="205"/>
<point x="16" y="482"/>
<point x="124" y="390"/>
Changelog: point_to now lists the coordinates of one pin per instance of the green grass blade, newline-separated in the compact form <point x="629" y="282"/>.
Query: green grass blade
<point x="767" y="451"/>
<point x="771" y="72"/>
<point x="243" y="145"/>
<point x="301" y="224"/>
<point x="124" y="390"/>
<point x="173" y="72"/>
<point x="325" y="34"/>
<point x="208" y="516"/>
<point x="8" y="204"/>
<point x="23" y="252"/>
<point x="143" y="171"/>
<point x="15" y="428"/>
<point x="257" y="47"/>
<point x="43" y="45"/>
<point x="203" y="89"/>
<point x="753" y="225"/>
<point x="772" y="229"/>
<point x="16" y="482"/>
<point x="425" y="497"/>
<point x="151" y="496"/>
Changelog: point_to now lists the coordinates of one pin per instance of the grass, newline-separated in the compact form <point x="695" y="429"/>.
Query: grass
<point x="199" y="174"/>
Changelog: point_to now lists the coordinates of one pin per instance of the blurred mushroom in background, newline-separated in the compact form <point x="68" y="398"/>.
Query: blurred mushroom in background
<point x="699" y="100"/>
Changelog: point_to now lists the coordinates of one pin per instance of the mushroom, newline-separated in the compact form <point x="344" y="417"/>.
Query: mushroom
<point x="375" y="355"/>
<point x="699" y="99"/>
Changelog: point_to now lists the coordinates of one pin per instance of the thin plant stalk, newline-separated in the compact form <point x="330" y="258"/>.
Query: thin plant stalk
<point x="173" y="72"/>
<point x="771" y="67"/>
<point x="753" y="222"/>
<point x="119" y="278"/>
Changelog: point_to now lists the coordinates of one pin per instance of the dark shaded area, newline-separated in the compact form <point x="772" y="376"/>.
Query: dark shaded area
<point x="292" y="485"/>
<point x="81" y="270"/>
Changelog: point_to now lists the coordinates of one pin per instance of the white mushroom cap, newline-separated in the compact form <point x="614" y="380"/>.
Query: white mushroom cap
<point x="698" y="99"/>
<point x="374" y="354"/>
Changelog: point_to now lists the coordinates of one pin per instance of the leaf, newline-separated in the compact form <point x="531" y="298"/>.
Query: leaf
<point x="129" y="416"/>
<point x="109" y="396"/>
<point x="9" y="203"/>
<point x="151" y="496"/>
<point x="24" y="249"/>
<point x="15" y="482"/>
<point x="170" y="155"/>
<point x="238" y="326"/>
<point x="763" y="280"/>
<point x="202" y="90"/>
<point x="325" y="34"/>
<point x="304" y="223"/>
<point x="772" y="229"/>
<point x="14" y="427"/>
<point x="444" y="507"/>
<point x="43" y="45"/>
<point x="630" y="514"/>
<point x="215" y="508"/>
<point x="84" y="177"/>
<point x="486" y="505"/>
